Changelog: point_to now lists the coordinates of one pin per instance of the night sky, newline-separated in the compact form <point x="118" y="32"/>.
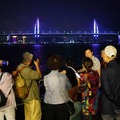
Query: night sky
<point x="59" y="15"/>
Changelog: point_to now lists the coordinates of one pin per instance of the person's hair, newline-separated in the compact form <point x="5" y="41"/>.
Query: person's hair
<point x="88" y="63"/>
<point x="69" y="61"/>
<point x="55" y="62"/>
<point x="26" y="57"/>
<point x="89" y="49"/>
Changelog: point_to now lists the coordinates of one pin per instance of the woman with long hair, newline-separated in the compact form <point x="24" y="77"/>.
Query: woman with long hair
<point x="89" y="85"/>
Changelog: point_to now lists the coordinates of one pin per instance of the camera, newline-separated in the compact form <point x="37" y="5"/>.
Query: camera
<point x="4" y="63"/>
<point x="35" y="59"/>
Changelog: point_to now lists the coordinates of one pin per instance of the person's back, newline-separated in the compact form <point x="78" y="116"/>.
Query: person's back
<point x="70" y="72"/>
<point x="112" y="70"/>
<point x="73" y="77"/>
<point x="89" y="86"/>
<point x="6" y="85"/>
<point x="55" y="84"/>
<point x="56" y="94"/>
<point x="110" y="79"/>
<point x="32" y="103"/>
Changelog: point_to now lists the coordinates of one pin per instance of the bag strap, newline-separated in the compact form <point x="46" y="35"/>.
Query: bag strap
<point x="77" y="75"/>
<point x="72" y="68"/>
<point x="1" y="76"/>
<point x="19" y="70"/>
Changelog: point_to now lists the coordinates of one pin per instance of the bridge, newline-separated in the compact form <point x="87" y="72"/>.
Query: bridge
<point x="58" y="38"/>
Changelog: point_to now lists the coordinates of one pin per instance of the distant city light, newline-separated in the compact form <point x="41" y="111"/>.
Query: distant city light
<point x="24" y="39"/>
<point x="14" y="38"/>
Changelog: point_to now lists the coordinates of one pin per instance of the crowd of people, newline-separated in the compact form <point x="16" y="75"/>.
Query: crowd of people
<point x="94" y="88"/>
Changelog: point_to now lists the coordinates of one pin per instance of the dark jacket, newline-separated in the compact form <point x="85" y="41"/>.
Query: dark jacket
<point x="71" y="76"/>
<point x="110" y="80"/>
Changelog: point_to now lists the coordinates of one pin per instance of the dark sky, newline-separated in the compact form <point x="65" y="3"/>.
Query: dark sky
<point x="61" y="15"/>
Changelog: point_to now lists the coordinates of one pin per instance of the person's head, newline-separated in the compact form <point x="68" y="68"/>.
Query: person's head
<point x="102" y="53"/>
<point x="69" y="62"/>
<point x="55" y="62"/>
<point x="87" y="63"/>
<point x="110" y="53"/>
<point x="27" y="58"/>
<point x="88" y="53"/>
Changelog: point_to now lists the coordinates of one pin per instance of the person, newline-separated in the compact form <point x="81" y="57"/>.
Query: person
<point x="89" y="86"/>
<point x="96" y="66"/>
<point x="102" y="62"/>
<point x="73" y="92"/>
<point x="96" y="62"/>
<point x="6" y="85"/>
<point x="71" y="74"/>
<point x="56" y="94"/>
<point x="110" y="80"/>
<point x="32" y="103"/>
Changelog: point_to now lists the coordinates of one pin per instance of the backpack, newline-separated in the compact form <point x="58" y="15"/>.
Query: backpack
<point x="3" y="99"/>
<point x="20" y="88"/>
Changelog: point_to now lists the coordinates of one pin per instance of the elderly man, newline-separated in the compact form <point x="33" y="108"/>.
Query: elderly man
<point x="32" y="105"/>
<point x="110" y="80"/>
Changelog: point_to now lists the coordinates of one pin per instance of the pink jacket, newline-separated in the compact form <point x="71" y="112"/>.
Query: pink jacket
<point x="6" y="85"/>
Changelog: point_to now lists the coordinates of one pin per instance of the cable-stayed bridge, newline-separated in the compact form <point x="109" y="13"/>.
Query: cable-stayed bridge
<point x="58" y="38"/>
<point x="40" y="37"/>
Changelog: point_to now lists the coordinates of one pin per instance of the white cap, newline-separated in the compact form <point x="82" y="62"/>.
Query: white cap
<point x="110" y="51"/>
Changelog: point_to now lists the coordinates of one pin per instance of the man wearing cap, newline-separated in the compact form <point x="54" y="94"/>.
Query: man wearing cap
<point x="110" y="80"/>
<point x="32" y="105"/>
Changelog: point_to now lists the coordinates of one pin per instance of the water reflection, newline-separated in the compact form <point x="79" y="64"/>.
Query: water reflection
<point x="13" y="53"/>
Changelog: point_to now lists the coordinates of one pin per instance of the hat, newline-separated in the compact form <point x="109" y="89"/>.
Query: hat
<point x="110" y="51"/>
<point x="27" y="56"/>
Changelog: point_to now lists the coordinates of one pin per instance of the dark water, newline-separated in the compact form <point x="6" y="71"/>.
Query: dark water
<point x="13" y="54"/>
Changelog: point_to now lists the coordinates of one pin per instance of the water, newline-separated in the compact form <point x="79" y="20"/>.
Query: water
<point x="13" y="53"/>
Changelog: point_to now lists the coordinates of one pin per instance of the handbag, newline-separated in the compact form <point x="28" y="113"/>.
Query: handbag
<point x="70" y="107"/>
<point x="20" y="87"/>
<point x="73" y="93"/>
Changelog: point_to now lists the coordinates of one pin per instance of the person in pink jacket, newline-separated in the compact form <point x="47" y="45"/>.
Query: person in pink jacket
<point x="6" y="85"/>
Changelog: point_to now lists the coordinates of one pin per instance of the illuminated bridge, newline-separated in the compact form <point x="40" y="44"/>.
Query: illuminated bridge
<point x="58" y="38"/>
